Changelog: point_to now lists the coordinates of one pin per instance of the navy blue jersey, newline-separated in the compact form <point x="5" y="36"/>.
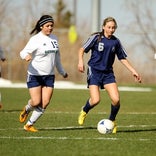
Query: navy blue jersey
<point x="103" y="52"/>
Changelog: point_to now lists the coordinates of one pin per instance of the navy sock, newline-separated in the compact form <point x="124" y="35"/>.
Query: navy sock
<point x="114" y="112"/>
<point x="87" y="107"/>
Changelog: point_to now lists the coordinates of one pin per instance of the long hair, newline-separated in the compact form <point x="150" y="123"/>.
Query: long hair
<point x="44" y="19"/>
<point x="105" y="21"/>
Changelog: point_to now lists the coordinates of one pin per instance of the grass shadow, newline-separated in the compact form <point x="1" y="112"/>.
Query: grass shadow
<point x="137" y="130"/>
<point x="67" y="128"/>
<point x="9" y="111"/>
<point x="93" y="128"/>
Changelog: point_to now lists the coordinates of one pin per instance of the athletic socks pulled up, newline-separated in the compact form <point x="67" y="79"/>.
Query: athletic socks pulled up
<point x="87" y="107"/>
<point x="114" y="112"/>
<point x="36" y="114"/>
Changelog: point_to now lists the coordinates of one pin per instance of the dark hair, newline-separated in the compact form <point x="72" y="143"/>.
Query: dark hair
<point x="43" y="20"/>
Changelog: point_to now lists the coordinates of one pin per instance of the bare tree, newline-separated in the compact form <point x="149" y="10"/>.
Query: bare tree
<point x="3" y="9"/>
<point x="143" y="23"/>
<point x="3" y="12"/>
<point x="142" y="26"/>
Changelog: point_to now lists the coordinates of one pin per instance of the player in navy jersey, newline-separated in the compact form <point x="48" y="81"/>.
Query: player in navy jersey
<point x="42" y="53"/>
<point x="104" y="46"/>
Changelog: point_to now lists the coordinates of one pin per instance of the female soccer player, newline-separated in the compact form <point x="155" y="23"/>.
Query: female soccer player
<point x="43" y="55"/>
<point x="2" y="58"/>
<point x="104" y="47"/>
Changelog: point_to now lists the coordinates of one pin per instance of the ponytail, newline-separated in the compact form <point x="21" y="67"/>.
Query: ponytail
<point x="100" y="34"/>
<point x="36" y="29"/>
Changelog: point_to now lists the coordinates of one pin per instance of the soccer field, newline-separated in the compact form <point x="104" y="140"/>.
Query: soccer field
<point x="59" y="134"/>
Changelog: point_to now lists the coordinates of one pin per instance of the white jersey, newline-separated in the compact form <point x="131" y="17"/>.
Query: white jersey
<point x="45" y="55"/>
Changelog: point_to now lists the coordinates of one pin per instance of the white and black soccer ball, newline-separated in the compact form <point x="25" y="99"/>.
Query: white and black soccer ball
<point x="105" y="126"/>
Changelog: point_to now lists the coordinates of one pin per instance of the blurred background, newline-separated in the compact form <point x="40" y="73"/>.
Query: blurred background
<point x="75" y="20"/>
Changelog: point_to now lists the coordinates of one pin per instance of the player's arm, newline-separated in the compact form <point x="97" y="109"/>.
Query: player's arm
<point x="127" y="64"/>
<point x="59" y="66"/>
<point x="85" y="49"/>
<point x="31" y="46"/>
<point x="81" y="67"/>
<point x="25" y="55"/>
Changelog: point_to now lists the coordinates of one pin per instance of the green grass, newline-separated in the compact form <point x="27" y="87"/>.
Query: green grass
<point x="59" y="133"/>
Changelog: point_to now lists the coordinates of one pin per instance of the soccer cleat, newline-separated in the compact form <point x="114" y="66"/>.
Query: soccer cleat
<point x="23" y="116"/>
<point x="82" y="117"/>
<point x="30" y="128"/>
<point x="115" y="128"/>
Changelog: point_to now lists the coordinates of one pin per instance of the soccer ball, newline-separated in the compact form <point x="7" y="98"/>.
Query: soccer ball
<point x="105" y="126"/>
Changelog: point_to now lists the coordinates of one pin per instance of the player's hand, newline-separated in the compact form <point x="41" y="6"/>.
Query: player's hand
<point x="28" y="58"/>
<point x="65" y="75"/>
<point x="137" y="77"/>
<point x="81" y="68"/>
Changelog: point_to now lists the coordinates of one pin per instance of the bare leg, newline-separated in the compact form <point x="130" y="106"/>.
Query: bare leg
<point x="113" y="93"/>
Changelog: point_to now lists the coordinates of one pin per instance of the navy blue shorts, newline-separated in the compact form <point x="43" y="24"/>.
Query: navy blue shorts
<point x="99" y="78"/>
<point x="35" y="81"/>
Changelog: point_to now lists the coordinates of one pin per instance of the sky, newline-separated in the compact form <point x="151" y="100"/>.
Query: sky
<point x="83" y="10"/>
<point x="115" y="8"/>
<point x="112" y="8"/>
<point x="123" y="16"/>
<point x="108" y="8"/>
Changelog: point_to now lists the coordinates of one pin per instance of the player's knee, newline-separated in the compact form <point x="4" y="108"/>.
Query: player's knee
<point x="95" y="101"/>
<point x="35" y="102"/>
<point x="116" y="101"/>
<point x="45" y="102"/>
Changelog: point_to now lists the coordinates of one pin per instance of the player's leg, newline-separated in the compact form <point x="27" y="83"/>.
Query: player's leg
<point x="36" y="100"/>
<point x="33" y="84"/>
<point x="47" y="93"/>
<point x="113" y="93"/>
<point x="35" y="94"/>
<point x="25" y="112"/>
<point x="0" y="101"/>
<point x="40" y="109"/>
<point x="93" y="101"/>
<point x="94" y="98"/>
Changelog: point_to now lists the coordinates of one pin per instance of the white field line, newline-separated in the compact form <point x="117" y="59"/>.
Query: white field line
<point x="69" y="85"/>
<point x="81" y="127"/>
<point x="75" y="138"/>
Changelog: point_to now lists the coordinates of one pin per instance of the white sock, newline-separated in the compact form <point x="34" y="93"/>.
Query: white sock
<point x="36" y="114"/>
<point x="28" y="107"/>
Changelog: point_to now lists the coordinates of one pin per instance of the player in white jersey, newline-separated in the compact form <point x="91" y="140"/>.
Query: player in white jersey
<point x="42" y="53"/>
